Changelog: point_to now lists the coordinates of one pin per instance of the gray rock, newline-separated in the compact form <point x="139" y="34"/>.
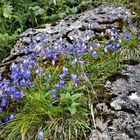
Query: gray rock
<point x="125" y="105"/>
<point x="87" y="24"/>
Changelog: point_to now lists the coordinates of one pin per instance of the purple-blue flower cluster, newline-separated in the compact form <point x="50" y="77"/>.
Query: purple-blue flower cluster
<point x="114" y="41"/>
<point x="23" y="71"/>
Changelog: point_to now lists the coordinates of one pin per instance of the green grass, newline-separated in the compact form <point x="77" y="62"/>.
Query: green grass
<point x="65" y="117"/>
<point x="130" y="49"/>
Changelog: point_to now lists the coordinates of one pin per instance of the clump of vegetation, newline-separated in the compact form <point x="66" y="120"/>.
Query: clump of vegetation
<point x="131" y="47"/>
<point x="64" y="116"/>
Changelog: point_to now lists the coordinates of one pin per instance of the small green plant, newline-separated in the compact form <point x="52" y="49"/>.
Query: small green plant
<point x="130" y="49"/>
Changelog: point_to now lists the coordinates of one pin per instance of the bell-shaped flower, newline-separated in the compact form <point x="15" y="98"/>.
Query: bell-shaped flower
<point x="11" y="117"/>
<point x="94" y="54"/>
<point x="40" y="135"/>
<point x="1" y="109"/>
<point x="65" y="70"/>
<point x="23" y="83"/>
<point x="17" y="95"/>
<point x="4" y="102"/>
<point x="127" y="36"/>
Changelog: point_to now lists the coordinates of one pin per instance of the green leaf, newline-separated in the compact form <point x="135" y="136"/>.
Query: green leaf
<point x="72" y="109"/>
<point x="7" y="11"/>
<point x="74" y="10"/>
<point x="65" y="96"/>
<point x="47" y="93"/>
<point x="76" y="104"/>
<point x="76" y="96"/>
<point x="53" y="17"/>
<point x="62" y="15"/>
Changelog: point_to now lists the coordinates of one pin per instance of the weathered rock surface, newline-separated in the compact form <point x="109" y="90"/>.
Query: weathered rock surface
<point x="121" y="115"/>
<point x="89" y="23"/>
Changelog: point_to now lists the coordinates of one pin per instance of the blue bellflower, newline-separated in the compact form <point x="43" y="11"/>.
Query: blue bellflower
<point x="1" y="109"/>
<point x="81" y="62"/>
<point x="53" y="93"/>
<point x="27" y="74"/>
<point x="23" y="83"/>
<point x="62" y="76"/>
<point x="26" y="50"/>
<point x="15" y="82"/>
<point x="65" y="70"/>
<point x="107" y="42"/>
<point x="80" y="52"/>
<point x="11" y="117"/>
<point x="62" y="83"/>
<point x="112" y="47"/>
<point x="17" y="95"/>
<point x="69" y="47"/>
<point x="6" y="121"/>
<point x="127" y="36"/>
<point x="40" y="135"/>
<point x="8" y="90"/>
<point x="4" y="102"/>
<point x="32" y="44"/>
<point x="6" y="82"/>
<point x="1" y="86"/>
<point x="74" y="78"/>
<point x="30" y="84"/>
<point x="94" y="54"/>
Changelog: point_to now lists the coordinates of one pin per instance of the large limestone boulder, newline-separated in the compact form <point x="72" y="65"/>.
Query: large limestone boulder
<point x="88" y="24"/>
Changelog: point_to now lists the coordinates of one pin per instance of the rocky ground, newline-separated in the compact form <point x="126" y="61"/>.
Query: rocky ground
<point x="121" y="114"/>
